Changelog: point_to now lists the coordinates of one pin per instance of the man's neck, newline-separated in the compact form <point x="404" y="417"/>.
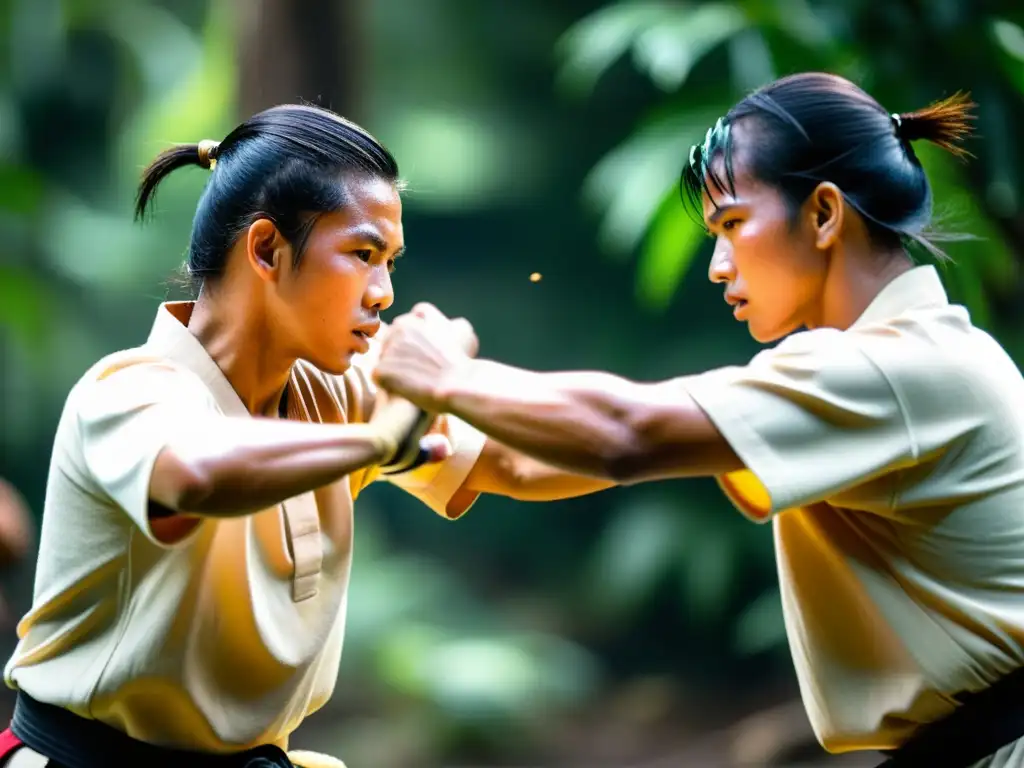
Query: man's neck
<point x="241" y="343"/>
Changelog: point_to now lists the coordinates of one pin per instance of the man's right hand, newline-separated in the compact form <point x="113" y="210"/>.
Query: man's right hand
<point x="424" y="350"/>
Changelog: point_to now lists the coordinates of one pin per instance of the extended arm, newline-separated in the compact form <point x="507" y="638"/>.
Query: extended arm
<point x="812" y="417"/>
<point x="154" y="442"/>
<point x="239" y="465"/>
<point x="592" y="423"/>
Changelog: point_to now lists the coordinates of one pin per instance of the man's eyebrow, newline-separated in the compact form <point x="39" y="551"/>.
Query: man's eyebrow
<point x="374" y="239"/>
<point x="716" y="217"/>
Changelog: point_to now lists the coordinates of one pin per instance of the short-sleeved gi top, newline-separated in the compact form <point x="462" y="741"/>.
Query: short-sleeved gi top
<point x="231" y="636"/>
<point x="890" y="458"/>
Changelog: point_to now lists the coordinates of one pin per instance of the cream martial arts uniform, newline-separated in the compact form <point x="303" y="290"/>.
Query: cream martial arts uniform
<point x="230" y="637"/>
<point x="890" y="460"/>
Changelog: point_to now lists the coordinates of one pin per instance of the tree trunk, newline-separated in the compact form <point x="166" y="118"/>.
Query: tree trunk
<point x="300" y="51"/>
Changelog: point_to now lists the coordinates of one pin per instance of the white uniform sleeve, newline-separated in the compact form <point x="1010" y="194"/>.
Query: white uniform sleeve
<point x="125" y="417"/>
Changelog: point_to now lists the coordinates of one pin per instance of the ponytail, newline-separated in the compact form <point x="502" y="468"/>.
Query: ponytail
<point x="945" y="123"/>
<point x="203" y="154"/>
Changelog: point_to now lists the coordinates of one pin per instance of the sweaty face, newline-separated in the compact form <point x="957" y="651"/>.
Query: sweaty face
<point x="767" y="262"/>
<point x="330" y="304"/>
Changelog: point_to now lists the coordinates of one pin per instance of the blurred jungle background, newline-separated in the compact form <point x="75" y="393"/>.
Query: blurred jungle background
<point x="638" y="627"/>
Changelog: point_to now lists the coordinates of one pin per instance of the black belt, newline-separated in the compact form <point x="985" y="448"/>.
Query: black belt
<point x="984" y="722"/>
<point x="77" y="742"/>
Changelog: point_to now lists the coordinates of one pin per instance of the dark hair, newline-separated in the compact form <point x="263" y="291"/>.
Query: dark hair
<point x="283" y="164"/>
<point x="815" y="127"/>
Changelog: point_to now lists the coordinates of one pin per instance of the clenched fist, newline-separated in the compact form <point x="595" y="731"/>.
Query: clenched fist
<point x="422" y="352"/>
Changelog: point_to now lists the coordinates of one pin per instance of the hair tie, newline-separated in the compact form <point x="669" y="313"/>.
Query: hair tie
<point x="208" y="153"/>
<point x="897" y="122"/>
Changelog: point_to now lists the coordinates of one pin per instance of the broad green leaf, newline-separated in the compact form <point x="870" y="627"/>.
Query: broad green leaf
<point x="672" y="242"/>
<point x="630" y="182"/>
<point x="597" y="41"/>
<point x="1009" y="40"/>
<point x="165" y="49"/>
<point x="667" y="40"/>
<point x="667" y="52"/>
<point x="1010" y="37"/>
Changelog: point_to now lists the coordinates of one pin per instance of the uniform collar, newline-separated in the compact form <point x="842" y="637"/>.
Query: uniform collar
<point x="171" y="338"/>
<point x="917" y="288"/>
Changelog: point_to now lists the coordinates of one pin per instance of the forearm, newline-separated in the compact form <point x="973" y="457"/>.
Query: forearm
<point x="591" y="423"/>
<point x="238" y="466"/>
<point x="582" y="422"/>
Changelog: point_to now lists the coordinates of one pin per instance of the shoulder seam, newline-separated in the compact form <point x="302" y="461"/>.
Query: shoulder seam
<point x="121" y="365"/>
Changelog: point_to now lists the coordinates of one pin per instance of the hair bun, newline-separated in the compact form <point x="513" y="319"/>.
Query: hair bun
<point x="208" y="152"/>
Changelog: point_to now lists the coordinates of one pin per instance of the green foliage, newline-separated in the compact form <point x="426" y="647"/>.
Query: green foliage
<point x="419" y="631"/>
<point x="666" y="40"/>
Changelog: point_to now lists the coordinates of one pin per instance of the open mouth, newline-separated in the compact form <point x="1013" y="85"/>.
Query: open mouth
<point x="362" y="341"/>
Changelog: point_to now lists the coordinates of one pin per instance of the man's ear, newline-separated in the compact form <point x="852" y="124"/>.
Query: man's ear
<point x="267" y="250"/>
<point x="826" y="209"/>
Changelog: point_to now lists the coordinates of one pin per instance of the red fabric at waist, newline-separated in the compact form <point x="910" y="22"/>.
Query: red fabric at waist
<point x="8" y="743"/>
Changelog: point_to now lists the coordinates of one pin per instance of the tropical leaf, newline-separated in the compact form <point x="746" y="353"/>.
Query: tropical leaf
<point x="164" y="49"/>
<point x="666" y="39"/>
<point x="668" y="51"/>
<point x="630" y="183"/>
<point x="1009" y="37"/>
<point x="673" y="240"/>
<point x="592" y="45"/>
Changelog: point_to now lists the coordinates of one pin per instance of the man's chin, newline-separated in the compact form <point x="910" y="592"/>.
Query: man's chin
<point x="337" y="364"/>
<point x="765" y="335"/>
